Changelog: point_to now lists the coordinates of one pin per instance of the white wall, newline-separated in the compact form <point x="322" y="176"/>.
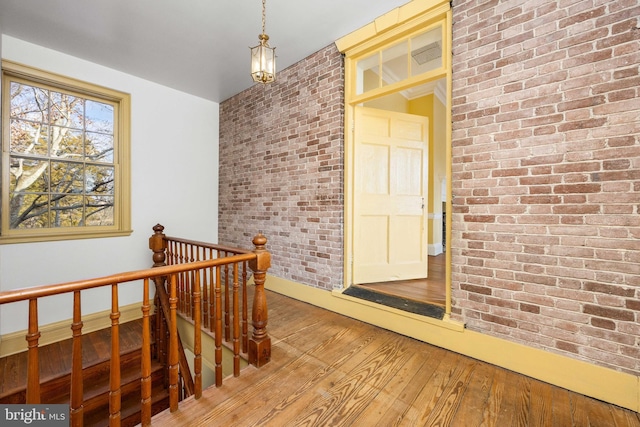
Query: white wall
<point x="174" y="161"/>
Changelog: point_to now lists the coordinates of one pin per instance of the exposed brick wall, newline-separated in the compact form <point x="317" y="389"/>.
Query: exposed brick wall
<point x="546" y="175"/>
<point x="281" y="164"/>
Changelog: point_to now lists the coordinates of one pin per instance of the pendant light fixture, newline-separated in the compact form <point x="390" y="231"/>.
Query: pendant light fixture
<point x="263" y="57"/>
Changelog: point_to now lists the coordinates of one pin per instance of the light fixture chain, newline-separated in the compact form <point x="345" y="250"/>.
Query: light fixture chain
<point x="264" y="19"/>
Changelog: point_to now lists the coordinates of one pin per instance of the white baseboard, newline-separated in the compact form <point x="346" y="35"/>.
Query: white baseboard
<point x="435" y="249"/>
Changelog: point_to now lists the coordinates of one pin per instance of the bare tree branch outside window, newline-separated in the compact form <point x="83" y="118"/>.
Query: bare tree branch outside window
<point x="61" y="162"/>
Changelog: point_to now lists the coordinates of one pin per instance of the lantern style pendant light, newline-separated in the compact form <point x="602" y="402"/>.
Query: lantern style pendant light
<point x="263" y="57"/>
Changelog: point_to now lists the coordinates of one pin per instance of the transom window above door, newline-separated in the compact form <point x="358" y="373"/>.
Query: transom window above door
<point x="414" y="56"/>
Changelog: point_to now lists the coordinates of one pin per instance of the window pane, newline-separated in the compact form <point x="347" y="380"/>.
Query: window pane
<point x="29" y="210"/>
<point x="28" y="175"/>
<point x="29" y="103"/>
<point x="67" y="110"/>
<point x="98" y="147"/>
<point x="28" y="138"/>
<point x="99" y="210"/>
<point x="395" y="63"/>
<point x="66" y="211"/>
<point x="99" y="179"/>
<point x="66" y="143"/>
<point x="99" y="117"/>
<point x="426" y="51"/>
<point x="368" y="73"/>
<point x="67" y="177"/>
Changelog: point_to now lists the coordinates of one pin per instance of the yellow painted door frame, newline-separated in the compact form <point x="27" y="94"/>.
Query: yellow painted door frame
<point x="399" y="24"/>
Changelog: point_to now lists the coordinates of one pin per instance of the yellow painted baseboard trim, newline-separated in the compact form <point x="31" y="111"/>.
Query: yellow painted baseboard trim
<point x="15" y="342"/>
<point x="605" y="384"/>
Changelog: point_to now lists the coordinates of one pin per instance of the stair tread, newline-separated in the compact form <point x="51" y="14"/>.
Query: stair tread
<point x="55" y="362"/>
<point x="130" y="407"/>
<point x="129" y="374"/>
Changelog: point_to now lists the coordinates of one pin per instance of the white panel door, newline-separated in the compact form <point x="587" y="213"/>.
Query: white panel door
<point x="390" y="189"/>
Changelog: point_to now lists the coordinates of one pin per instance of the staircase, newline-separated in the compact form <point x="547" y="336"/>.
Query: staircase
<point x="55" y="368"/>
<point x="200" y="282"/>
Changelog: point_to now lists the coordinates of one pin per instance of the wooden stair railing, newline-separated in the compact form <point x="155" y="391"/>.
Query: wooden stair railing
<point x="221" y="294"/>
<point x="259" y="345"/>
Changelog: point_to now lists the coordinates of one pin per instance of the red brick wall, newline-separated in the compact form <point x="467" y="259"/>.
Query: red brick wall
<point x="281" y="163"/>
<point x="546" y="175"/>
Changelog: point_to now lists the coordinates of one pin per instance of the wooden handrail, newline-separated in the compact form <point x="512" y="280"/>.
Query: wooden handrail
<point x="203" y="300"/>
<point x="130" y="276"/>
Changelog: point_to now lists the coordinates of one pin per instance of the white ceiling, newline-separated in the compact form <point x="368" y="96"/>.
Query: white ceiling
<point x="196" y="46"/>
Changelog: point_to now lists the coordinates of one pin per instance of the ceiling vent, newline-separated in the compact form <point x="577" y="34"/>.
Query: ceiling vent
<point x="427" y="53"/>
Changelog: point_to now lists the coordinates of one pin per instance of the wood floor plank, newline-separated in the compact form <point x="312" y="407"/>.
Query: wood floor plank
<point x="395" y="389"/>
<point x="505" y="385"/>
<point x="541" y="406"/>
<point x="407" y="398"/>
<point x="491" y="411"/>
<point x="430" y="290"/>
<point x="449" y="401"/>
<point x="523" y="402"/>
<point x="476" y="396"/>
<point x="579" y="410"/>
<point x="561" y="408"/>
<point x="432" y="390"/>
<point x="351" y="394"/>
<point x="600" y="415"/>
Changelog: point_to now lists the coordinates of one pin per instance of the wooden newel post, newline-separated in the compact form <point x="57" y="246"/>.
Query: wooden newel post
<point x="260" y="342"/>
<point x="158" y="245"/>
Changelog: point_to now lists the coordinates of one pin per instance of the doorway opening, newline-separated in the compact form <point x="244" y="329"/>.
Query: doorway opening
<point x="421" y="268"/>
<point x="396" y="190"/>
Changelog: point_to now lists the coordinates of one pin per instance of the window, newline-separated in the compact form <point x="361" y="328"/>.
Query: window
<point x="419" y="57"/>
<point x="65" y="158"/>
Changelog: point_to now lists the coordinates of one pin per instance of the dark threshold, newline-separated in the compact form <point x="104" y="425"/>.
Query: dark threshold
<point x="396" y="302"/>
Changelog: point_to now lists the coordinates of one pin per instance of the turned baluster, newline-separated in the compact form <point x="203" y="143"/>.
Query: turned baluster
<point x="173" y="346"/>
<point x="159" y="247"/>
<point x="33" y="367"/>
<point x="236" y="323"/>
<point x="189" y="279"/>
<point x="145" y="380"/>
<point x="227" y="308"/>
<point x="115" y="391"/>
<point x="205" y="298"/>
<point x="260" y="342"/>
<point x="245" y="323"/>
<point x="212" y="299"/>
<point x="197" y="336"/>
<point x="181" y="280"/>
<point x="217" y="336"/>
<point x="77" y="408"/>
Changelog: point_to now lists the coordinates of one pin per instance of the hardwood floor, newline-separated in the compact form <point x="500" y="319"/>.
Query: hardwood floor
<point x="330" y="370"/>
<point x="430" y="290"/>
